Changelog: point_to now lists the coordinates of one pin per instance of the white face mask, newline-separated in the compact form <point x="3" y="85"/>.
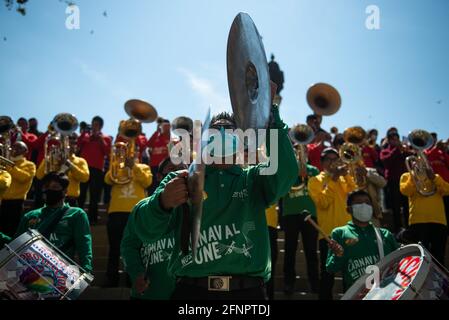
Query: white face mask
<point x="362" y="212"/>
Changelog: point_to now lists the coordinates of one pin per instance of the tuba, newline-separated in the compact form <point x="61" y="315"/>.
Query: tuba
<point x="139" y="112"/>
<point x="351" y="154"/>
<point x="302" y="135"/>
<point x="57" y="146"/>
<point x="323" y="99"/>
<point x="418" y="165"/>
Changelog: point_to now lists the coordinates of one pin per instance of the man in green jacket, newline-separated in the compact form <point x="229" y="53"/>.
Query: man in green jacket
<point x="146" y="263"/>
<point x="355" y="246"/>
<point x="72" y="233"/>
<point x="233" y="256"/>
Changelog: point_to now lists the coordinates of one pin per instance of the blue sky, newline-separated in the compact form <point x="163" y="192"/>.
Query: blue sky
<point x="173" y="54"/>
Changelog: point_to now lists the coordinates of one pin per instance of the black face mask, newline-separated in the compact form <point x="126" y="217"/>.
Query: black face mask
<point x="52" y="197"/>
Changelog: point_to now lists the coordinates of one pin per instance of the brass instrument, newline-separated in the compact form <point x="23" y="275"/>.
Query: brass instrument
<point x="323" y="99"/>
<point x="418" y="165"/>
<point x="57" y="146"/>
<point x="302" y="135"/>
<point x="6" y="127"/>
<point x="351" y="154"/>
<point x="139" y="111"/>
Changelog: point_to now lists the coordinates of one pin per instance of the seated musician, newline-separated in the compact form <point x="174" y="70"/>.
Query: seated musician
<point x="147" y="264"/>
<point x="233" y="256"/>
<point x="124" y="196"/>
<point x="427" y="218"/>
<point x="22" y="174"/>
<point x="65" y="227"/>
<point x="355" y="245"/>
<point x="76" y="169"/>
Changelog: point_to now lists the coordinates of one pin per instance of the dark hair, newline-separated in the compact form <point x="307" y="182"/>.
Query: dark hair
<point x="98" y="119"/>
<point x="165" y="121"/>
<point x="60" y="178"/>
<point x="373" y="131"/>
<point x="32" y="119"/>
<point x="356" y="193"/>
<point x="392" y="129"/>
<point x="83" y="125"/>
<point x="224" y="116"/>
<point x="311" y="117"/>
<point x="338" y="140"/>
<point x="22" y="119"/>
<point x="392" y="135"/>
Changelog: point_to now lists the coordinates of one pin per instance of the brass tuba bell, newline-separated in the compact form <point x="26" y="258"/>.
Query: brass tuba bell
<point x="418" y="165"/>
<point x="351" y="154"/>
<point x="323" y="99"/>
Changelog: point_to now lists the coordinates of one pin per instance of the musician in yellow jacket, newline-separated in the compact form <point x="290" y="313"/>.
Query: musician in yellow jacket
<point x="329" y="191"/>
<point x="76" y="169"/>
<point x="427" y="218"/>
<point x="22" y="174"/>
<point x="5" y="182"/>
<point x="123" y="199"/>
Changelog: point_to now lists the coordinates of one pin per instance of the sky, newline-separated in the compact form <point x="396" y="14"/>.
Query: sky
<point x="172" y="53"/>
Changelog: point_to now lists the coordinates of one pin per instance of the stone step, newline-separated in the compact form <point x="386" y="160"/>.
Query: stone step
<point x="98" y="293"/>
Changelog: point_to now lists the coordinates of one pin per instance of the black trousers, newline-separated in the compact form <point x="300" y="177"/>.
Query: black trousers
<point x="293" y="225"/>
<point x="433" y="237"/>
<point x="116" y="226"/>
<point x="396" y="201"/>
<point x="38" y="198"/>
<point x="154" y="183"/>
<point x="274" y="256"/>
<point x="190" y="292"/>
<point x="10" y="214"/>
<point x="95" y="186"/>
<point x="327" y="279"/>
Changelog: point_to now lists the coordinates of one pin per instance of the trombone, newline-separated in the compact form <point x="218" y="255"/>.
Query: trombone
<point x="418" y="166"/>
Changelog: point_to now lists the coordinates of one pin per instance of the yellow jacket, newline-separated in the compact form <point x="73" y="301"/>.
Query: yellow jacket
<point x="79" y="173"/>
<point x="5" y="181"/>
<point x="425" y="209"/>
<point x="125" y="196"/>
<point x="22" y="175"/>
<point x="272" y="216"/>
<point x="329" y="197"/>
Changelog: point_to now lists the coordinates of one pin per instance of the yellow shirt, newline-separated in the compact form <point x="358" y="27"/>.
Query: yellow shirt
<point x="5" y="182"/>
<point x="22" y="175"/>
<point x="125" y="196"/>
<point x="79" y="173"/>
<point x="425" y="209"/>
<point x="329" y="197"/>
<point x="272" y="216"/>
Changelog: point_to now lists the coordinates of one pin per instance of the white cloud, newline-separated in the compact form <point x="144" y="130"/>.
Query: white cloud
<point x="206" y="90"/>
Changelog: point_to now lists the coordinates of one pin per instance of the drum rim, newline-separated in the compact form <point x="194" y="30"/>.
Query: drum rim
<point x="418" y="280"/>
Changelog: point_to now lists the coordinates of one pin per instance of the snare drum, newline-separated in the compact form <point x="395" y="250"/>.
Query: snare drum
<point x="409" y="273"/>
<point x="31" y="268"/>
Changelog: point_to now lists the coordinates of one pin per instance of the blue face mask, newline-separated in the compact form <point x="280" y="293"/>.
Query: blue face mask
<point x="229" y="144"/>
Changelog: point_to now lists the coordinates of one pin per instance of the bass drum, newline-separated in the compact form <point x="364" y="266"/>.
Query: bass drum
<point x="31" y="268"/>
<point x="409" y="273"/>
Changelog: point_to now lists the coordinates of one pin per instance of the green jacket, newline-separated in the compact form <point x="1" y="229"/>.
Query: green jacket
<point x="360" y="250"/>
<point x="72" y="233"/>
<point x="4" y="239"/>
<point x="296" y="201"/>
<point x="233" y="235"/>
<point x="137" y="256"/>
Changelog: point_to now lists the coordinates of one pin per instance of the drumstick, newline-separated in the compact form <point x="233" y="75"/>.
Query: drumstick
<point x="317" y="227"/>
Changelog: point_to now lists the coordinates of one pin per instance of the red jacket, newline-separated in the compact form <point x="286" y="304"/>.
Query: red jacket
<point x="439" y="161"/>
<point x="158" y="145"/>
<point x="94" y="150"/>
<point x="141" y="144"/>
<point x="370" y="156"/>
<point x="314" y="151"/>
<point x="394" y="162"/>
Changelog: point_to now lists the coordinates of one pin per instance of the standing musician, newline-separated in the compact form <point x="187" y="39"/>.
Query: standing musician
<point x="22" y="174"/>
<point x="76" y="169"/>
<point x="129" y="180"/>
<point x="5" y="183"/>
<point x="65" y="227"/>
<point x="146" y="263"/>
<point x="358" y="244"/>
<point x="233" y="258"/>
<point x="22" y="134"/>
<point x="329" y="190"/>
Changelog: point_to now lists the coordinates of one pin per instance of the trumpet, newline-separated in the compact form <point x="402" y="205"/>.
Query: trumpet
<point x="302" y="134"/>
<point x="57" y="146"/>
<point x="418" y="166"/>
<point x="351" y="154"/>
<point x="139" y="111"/>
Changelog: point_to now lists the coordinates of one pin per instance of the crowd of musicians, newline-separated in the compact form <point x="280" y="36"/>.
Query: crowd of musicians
<point x="366" y="204"/>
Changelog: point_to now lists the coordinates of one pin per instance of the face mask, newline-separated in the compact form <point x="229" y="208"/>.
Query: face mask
<point x="17" y="158"/>
<point x="52" y="197"/>
<point x="362" y="212"/>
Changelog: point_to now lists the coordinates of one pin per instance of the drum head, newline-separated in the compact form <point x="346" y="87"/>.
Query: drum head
<point x="401" y="275"/>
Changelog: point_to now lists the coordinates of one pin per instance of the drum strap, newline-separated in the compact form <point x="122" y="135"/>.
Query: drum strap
<point x="51" y="227"/>
<point x="380" y="244"/>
